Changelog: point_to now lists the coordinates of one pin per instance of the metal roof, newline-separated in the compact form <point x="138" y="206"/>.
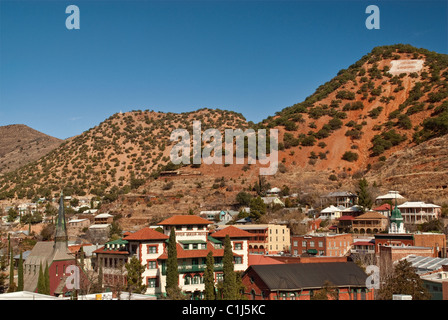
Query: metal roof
<point x="310" y="275"/>
<point x="425" y="264"/>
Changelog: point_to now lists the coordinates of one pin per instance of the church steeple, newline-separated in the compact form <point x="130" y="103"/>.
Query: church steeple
<point x="396" y="220"/>
<point x="60" y="237"/>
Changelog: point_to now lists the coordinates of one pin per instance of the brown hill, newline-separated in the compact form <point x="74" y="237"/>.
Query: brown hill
<point x="391" y="100"/>
<point x="20" y="145"/>
<point x="112" y="158"/>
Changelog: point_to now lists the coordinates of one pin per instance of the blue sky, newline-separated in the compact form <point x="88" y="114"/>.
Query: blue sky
<point x="253" y="57"/>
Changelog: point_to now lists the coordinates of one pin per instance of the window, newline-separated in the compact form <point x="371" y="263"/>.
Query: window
<point x="151" y="249"/>
<point x="187" y="280"/>
<point x="196" y="279"/>
<point x="238" y="246"/>
<point x="321" y="244"/>
<point x="311" y="243"/>
<point x="303" y="243"/>
<point x="219" y="277"/>
<point x="238" y="260"/>
<point x="151" y="265"/>
<point x="295" y="244"/>
<point x="152" y="282"/>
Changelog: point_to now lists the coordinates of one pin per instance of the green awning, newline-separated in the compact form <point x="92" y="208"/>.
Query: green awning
<point x="312" y="251"/>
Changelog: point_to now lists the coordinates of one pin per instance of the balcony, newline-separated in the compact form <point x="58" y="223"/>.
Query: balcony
<point x="193" y="268"/>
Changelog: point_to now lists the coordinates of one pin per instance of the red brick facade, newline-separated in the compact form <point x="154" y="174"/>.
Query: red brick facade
<point x="323" y="245"/>
<point x="256" y="289"/>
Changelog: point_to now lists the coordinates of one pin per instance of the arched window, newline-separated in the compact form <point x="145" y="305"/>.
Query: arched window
<point x="196" y="279"/>
<point x="187" y="279"/>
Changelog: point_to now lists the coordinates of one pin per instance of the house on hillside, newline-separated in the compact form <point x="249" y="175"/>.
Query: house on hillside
<point x="370" y="222"/>
<point x="391" y="196"/>
<point x="341" y="198"/>
<point x="331" y="212"/>
<point x="419" y="211"/>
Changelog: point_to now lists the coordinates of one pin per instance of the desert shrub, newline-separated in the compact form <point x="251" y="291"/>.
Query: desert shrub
<point x="350" y="156"/>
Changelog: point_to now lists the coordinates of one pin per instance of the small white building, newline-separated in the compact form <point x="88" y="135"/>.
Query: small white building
<point x="331" y="212"/>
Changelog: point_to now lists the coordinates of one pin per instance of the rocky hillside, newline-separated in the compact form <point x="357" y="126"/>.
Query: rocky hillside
<point x="116" y="156"/>
<point x="20" y="145"/>
<point x="393" y="99"/>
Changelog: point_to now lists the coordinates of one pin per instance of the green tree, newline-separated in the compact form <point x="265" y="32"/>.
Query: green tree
<point x="134" y="276"/>
<point x="12" y="215"/>
<point x="46" y="279"/>
<point x="243" y="198"/>
<point x="229" y="290"/>
<point x="403" y="280"/>
<point x="115" y="231"/>
<point x="12" y="284"/>
<point x="328" y="292"/>
<point x="41" y="281"/>
<point x="20" y="273"/>
<point x="364" y="197"/>
<point x="209" y="279"/>
<point x="172" y="272"/>
<point x="257" y="208"/>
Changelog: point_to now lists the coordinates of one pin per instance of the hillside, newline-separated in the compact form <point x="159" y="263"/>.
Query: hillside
<point x="20" y="145"/>
<point x="368" y="111"/>
<point x="393" y="99"/>
<point x="114" y="157"/>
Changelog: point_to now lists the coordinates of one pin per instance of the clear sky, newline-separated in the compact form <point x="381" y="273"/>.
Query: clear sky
<point x="253" y="57"/>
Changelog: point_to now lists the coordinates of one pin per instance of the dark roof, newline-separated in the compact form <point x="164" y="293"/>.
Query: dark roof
<point x="298" y="276"/>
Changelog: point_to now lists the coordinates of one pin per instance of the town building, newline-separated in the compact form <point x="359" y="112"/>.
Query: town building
<point x="193" y="243"/>
<point x="419" y="211"/>
<point x="391" y="196"/>
<point x="301" y="281"/>
<point x="363" y="246"/>
<point x="370" y="222"/>
<point x="321" y="244"/>
<point x="340" y="198"/>
<point x="435" y="242"/>
<point x="103" y="218"/>
<point x="384" y="209"/>
<point x="54" y="254"/>
<point x="331" y="212"/>
<point x="267" y="238"/>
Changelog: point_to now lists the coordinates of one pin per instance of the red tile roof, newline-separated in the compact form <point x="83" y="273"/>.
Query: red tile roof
<point x="146" y="234"/>
<point x="257" y="259"/>
<point x="198" y="253"/>
<point x="363" y="243"/>
<point x="75" y="248"/>
<point x="383" y="207"/>
<point x="183" y="220"/>
<point x="346" y="218"/>
<point x="233" y="232"/>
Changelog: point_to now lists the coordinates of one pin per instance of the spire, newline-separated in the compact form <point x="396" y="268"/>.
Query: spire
<point x="396" y="220"/>
<point x="60" y="237"/>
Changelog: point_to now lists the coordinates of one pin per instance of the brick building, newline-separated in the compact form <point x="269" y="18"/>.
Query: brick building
<point x="323" y="244"/>
<point x="302" y="281"/>
<point x="435" y="241"/>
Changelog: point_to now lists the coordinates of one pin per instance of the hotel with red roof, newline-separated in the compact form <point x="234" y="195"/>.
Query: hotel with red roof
<point x="194" y="242"/>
